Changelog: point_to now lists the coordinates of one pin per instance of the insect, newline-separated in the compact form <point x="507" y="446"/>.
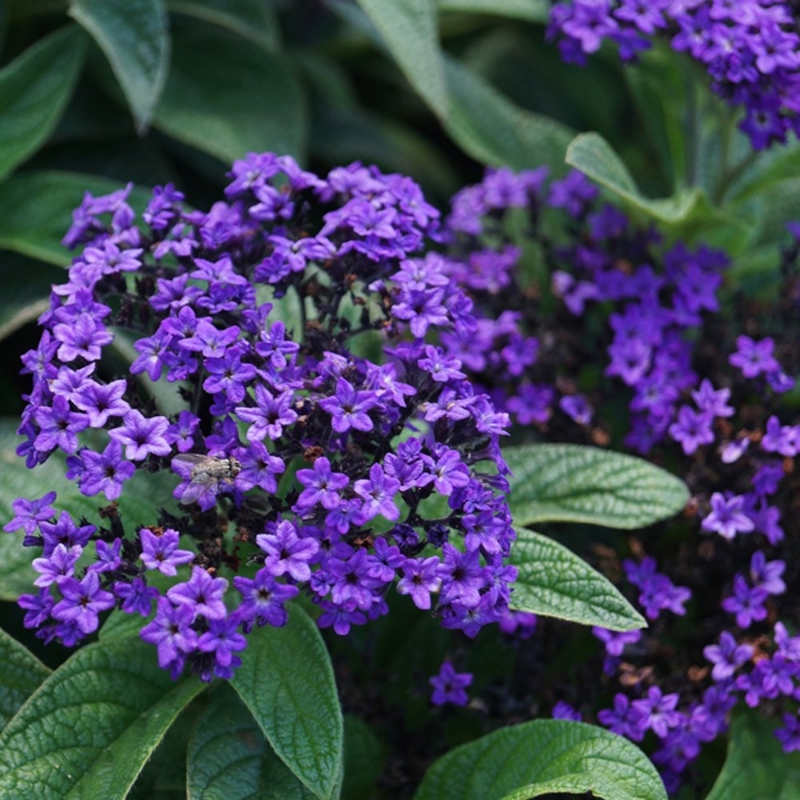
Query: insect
<point x="204" y="474"/>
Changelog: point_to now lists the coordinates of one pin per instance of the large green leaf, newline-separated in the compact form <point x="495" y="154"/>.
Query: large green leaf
<point x="593" y="156"/>
<point x="90" y="727"/>
<point x="573" y="483"/>
<point x="543" y="757"/>
<point x="229" y="759"/>
<point x="138" y="505"/>
<point x="756" y="767"/>
<point x="555" y="582"/>
<point x="26" y="290"/>
<point x="494" y="131"/>
<point x="243" y="99"/>
<point x="409" y="29"/>
<point x="135" y="39"/>
<point x="530" y="10"/>
<point x="20" y="675"/>
<point x="363" y="759"/>
<point x="286" y="680"/>
<point x="36" y="210"/>
<point x="252" y="19"/>
<point x="34" y="91"/>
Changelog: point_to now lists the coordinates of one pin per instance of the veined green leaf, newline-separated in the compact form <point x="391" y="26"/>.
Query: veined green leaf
<point x="135" y="39"/>
<point x="573" y="483"/>
<point x="756" y="767"/>
<point x="34" y="91"/>
<point x="88" y="730"/>
<point x="409" y="29"/>
<point x="20" y="676"/>
<point x="228" y="757"/>
<point x="542" y="757"/>
<point x="593" y="156"/>
<point x="286" y="680"/>
<point x="243" y="99"/>
<point x="553" y="581"/>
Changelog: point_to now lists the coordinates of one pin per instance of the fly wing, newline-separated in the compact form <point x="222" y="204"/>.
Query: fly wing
<point x="197" y="491"/>
<point x="184" y="464"/>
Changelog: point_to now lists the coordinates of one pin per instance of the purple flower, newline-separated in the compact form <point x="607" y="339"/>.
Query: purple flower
<point x="727" y="517"/>
<point x="104" y="472"/>
<point x="419" y="579"/>
<point x="137" y="597"/>
<point x="348" y="408"/>
<point x="263" y="599"/>
<point x="59" y="426"/>
<point x="160" y="551"/>
<point x="202" y="594"/>
<point x="322" y="485"/>
<point x="287" y="553"/>
<point x="659" y="711"/>
<point x="625" y="718"/>
<point x="101" y="401"/>
<point x="142" y="436"/>
<point x="754" y="358"/>
<point x="450" y="686"/>
<point x="577" y="407"/>
<point x="789" y="734"/>
<point x="746" y="602"/>
<point x="562" y="710"/>
<point x="223" y="640"/>
<point x="713" y="401"/>
<point x="378" y="492"/>
<point x="59" y="565"/>
<point x="692" y="429"/>
<point x="82" y="602"/>
<point x="171" y="632"/>
<point x="270" y="415"/>
<point x="727" y="656"/>
<point x="615" y="641"/>
<point x="767" y="574"/>
<point x="29" y="513"/>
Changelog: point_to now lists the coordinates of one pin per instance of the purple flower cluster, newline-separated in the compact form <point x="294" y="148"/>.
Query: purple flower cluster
<point x="703" y="398"/>
<point x="750" y="49"/>
<point x="386" y="456"/>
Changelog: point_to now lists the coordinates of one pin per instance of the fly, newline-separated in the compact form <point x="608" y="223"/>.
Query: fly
<point x="204" y="474"/>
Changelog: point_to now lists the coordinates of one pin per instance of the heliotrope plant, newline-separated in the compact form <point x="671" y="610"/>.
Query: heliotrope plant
<point x="299" y="465"/>
<point x="750" y="49"/>
<point x="702" y="396"/>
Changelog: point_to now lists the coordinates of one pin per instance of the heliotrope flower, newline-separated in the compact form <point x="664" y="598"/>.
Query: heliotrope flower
<point x="357" y="444"/>
<point x="450" y="686"/>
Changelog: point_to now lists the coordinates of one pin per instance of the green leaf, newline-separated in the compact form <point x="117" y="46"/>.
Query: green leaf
<point x="530" y="10"/>
<point x="229" y="759"/>
<point x="90" y="727"/>
<point x="251" y="19"/>
<point x="135" y="39"/>
<point x="26" y="290"/>
<point x="363" y="759"/>
<point x="573" y="483"/>
<point x="286" y="680"/>
<point x="593" y="156"/>
<point x="139" y="504"/>
<point x="756" y="767"/>
<point x="553" y="581"/>
<point x="541" y="757"/>
<point x="34" y="91"/>
<point x="493" y="130"/>
<point x="21" y="674"/>
<point x="241" y="100"/>
<point x="410" y="31"/>
<point x="36" y="210"/>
